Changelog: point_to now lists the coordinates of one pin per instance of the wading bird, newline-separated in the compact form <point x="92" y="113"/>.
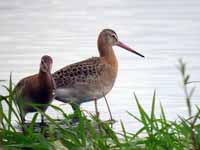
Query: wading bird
<point x="92" y="78"/>
<point x="38" y="89"/>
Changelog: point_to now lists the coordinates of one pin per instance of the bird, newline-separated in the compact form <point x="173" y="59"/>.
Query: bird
<point x="92" y="78"/>
<point x="36" y="89"/>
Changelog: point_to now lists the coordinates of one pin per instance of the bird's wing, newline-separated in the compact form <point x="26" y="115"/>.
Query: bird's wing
<point x="19" y="93"/>
<point x="20" y="89"/>
<point x="79" y="73"/>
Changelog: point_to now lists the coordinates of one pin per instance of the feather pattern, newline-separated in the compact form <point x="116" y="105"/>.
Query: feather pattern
<point x="82" y="81"/>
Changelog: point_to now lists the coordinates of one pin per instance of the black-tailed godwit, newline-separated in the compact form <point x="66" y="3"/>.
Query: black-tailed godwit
<point x="37" y="89"/>
<point x="92" y="78"/>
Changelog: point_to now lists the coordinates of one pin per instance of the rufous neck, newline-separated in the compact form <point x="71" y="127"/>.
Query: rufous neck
<point x="109" y="56"/>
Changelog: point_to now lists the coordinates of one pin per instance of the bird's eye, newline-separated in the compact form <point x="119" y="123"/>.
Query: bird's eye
<point x="114" y="36"/>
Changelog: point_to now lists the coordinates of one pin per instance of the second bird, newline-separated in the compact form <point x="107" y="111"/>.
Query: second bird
<point x="92" y="78"/>
<point x="36" y="89"/>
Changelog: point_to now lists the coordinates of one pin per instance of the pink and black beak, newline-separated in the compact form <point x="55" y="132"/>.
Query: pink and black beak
<point x="122" y="45"/>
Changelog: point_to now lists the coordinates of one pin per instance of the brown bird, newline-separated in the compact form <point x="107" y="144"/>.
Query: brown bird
<point x="92" y="78"/>
<point x="37" y="89"/>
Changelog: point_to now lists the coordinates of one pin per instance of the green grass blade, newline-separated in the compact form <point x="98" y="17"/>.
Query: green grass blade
<point x="144" y="117"/>
<point x="33" y="122"/>
<point x="124" y="131"/>
<point x="135" y="117"/>
<point x="153" y="112"/>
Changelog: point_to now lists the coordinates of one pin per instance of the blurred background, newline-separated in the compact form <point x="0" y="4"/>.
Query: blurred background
<point x="163" y="31"/>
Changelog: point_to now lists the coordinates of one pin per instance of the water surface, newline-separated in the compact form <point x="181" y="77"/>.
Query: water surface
<point x="163" y="31"/>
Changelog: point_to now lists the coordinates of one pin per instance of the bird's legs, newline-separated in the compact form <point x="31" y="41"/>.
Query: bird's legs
<point x="42" y="120"/>
<point x="96" y="108"/>
<point x="111" y="118"/>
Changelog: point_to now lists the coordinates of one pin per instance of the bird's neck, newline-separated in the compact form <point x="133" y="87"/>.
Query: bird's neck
<point x="45" y="77"/>
<point x="43" y="73"/>
<point x="109" y="56"/>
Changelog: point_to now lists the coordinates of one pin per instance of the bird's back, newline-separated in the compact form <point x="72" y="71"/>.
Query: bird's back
<point x="81" y="81"/>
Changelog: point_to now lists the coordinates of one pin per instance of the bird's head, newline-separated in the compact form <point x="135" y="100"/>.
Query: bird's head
<point x="108" y="37"/>
<point x="46" y="63"/>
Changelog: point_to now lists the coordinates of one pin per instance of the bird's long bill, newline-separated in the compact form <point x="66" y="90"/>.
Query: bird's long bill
<point x="122" y="45"/>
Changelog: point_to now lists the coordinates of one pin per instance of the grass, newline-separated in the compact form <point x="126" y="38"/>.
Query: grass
<point x="156" y="132"/>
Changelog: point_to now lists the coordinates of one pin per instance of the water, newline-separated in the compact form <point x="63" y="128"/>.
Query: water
<point x="163" y="31"/>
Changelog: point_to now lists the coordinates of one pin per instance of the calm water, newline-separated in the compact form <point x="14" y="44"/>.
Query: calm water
<point x="163" y="31"/>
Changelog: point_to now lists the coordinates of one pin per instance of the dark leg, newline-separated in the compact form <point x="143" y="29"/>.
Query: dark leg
<point x="43" y="125"/>
<point x="42" y="120"/>
<point x="112" y="121"/>
<point x="111" y="118"/>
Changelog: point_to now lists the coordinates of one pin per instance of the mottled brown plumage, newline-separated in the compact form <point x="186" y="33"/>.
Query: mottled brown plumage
<point x="77" y="77"/>
<point x="94" y="77"/>
<point x="36" y="89"/>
